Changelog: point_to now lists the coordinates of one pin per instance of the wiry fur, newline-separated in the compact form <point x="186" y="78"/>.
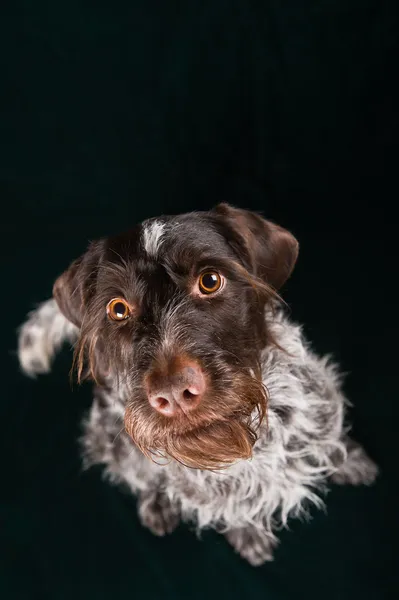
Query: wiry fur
<point x="42" y="336"/>
<point x="152" y="237"/>
<point x="255" y="421"/>
<point x="303" y="442"/>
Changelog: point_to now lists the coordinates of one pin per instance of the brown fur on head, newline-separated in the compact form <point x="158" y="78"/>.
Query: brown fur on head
<point x="155" y="269"/>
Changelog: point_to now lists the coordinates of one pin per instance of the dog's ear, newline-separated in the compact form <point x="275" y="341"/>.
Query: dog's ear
<point x="270" y="250"/>
<point x="73" y="288"/>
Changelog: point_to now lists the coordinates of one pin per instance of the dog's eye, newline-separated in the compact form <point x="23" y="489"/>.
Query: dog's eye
<point x="209" y="282"/>
<point x="118" y="309"/>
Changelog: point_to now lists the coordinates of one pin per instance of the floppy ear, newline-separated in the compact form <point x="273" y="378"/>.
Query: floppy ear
<point x="270" y="250"/>
<point x="73" y="288"/>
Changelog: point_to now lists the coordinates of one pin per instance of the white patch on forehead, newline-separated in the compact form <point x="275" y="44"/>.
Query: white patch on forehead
<point x="152" y="237"/>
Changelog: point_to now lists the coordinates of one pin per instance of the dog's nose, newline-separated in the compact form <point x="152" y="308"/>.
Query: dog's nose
<point x="181" y="391"/>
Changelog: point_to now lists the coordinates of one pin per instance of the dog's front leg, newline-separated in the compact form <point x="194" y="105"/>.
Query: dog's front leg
<point x="254" y="545"/>
<point x="358" y="468"/>
<point x="157" y="512"/>
<point x="41" y="336"/>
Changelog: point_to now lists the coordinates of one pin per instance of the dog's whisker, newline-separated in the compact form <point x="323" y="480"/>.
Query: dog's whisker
<point x="119" y="432"/>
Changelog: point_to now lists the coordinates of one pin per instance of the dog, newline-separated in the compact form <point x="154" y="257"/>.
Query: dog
<point x="209" y="403"/>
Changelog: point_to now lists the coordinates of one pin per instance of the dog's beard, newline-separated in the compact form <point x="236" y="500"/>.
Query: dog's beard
<point x="219" y="433"/>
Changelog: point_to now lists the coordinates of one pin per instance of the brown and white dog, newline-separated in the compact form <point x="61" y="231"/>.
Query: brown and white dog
<point x="209" y="404"/>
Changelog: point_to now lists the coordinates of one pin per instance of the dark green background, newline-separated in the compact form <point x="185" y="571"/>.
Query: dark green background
<point x="113" y="112"/>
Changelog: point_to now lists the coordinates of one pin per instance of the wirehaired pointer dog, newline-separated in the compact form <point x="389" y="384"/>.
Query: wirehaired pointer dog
<point x="208" y="404"/>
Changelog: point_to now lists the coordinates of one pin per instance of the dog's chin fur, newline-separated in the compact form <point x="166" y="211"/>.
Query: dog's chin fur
<point x="210" y="439"/>
<point x="211" y="448"/>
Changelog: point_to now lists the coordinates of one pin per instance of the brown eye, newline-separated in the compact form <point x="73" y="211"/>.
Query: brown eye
<point x="209" y="282"/>
<point x="118" y="309"/>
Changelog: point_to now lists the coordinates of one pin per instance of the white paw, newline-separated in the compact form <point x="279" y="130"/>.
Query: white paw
<point x="41" y="336"/>
<point x="33" y="353"/>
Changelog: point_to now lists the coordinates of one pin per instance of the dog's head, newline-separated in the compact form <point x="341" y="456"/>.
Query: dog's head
<point x="173" y="311"/>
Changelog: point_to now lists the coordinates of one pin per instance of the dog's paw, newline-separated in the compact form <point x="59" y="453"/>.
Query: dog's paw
<point x="33" y="353"/>
<point x="358" y="469"/>
<point x="41" y="336"/>
<point x="157" y="513"/>
<point x="254" y="546"/>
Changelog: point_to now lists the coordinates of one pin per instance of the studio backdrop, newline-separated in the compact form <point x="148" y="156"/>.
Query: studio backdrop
<point x="115" y="112"/>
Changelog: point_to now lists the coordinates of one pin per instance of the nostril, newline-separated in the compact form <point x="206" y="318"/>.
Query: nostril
<point x="162" y="403"/>
<point x="188" y="396"/>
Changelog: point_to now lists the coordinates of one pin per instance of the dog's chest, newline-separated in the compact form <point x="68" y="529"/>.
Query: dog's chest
<point x="237" y="482"/>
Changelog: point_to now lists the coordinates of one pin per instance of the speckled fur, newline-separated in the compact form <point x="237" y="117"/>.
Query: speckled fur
<point x="303" y="444"/>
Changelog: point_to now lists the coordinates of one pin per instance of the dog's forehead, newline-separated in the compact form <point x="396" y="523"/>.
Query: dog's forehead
<point x="175" y="243"/>
<point x="174" y="239"/>
<point x="194" y="233"/>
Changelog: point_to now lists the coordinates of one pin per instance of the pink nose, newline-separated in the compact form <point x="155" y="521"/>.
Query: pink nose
<point x="181" y="391"/>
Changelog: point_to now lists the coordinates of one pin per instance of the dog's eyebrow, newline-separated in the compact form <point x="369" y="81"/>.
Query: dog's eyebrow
<point x="224" y="263"/>
<point x="152" y="237"/>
